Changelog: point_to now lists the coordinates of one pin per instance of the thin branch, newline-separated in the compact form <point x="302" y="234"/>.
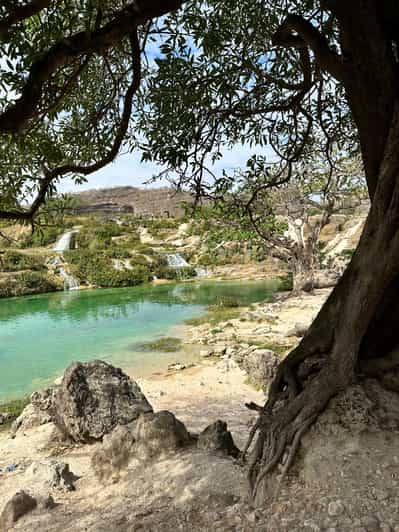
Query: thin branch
<point x="66" y="51"/>
<point x="297" y="32"/>
<point x="19" y="13"/>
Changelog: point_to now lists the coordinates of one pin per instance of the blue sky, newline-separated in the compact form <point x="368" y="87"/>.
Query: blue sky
<point x="129" y="170"/>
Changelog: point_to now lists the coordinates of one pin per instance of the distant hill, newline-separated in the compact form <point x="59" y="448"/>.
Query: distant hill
<point x="158" y="202"/>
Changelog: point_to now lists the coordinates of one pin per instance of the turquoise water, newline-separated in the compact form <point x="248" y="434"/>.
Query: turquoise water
<point x="41" y="335"/>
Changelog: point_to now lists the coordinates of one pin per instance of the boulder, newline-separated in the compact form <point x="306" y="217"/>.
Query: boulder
<point x="261" y="366"/>
<point x="38" y="412"/>
<point x="50" y="474"/>
<point x="94" y="397"/>
<point x="4" y="417"/>
<point x="217" y="439"/>
<point x="19" y="505"/>
<point x="114" y="454"/>
<point x="158" y="434"/>
<point x="30" y="417"/>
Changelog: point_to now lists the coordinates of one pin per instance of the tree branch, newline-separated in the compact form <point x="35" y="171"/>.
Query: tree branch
<point x="19" y="13"/>
<point x="297" y="32"/>
<point x="64" y="52"/>
<point x="53" y="175"/>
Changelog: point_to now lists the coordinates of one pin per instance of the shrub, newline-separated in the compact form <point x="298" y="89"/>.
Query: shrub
<point x="27" y="283"/>
<point x="42" y="237"/>
<point x="12" y="261"/>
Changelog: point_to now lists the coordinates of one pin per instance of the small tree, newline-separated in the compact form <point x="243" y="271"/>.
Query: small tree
<point x="288" y="220"/>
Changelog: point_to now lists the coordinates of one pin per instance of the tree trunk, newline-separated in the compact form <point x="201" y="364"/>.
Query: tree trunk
<point x="346" y="335"/>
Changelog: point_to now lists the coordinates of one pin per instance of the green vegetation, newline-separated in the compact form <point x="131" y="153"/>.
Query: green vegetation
<point x="13" y="261"/>
<point x="168" y="344"/>
<point x="28" y="283"/>
<point x="215" y="315"/>
<point x="96" y="268"/>
<point x="42" y="236"/>
<point x="14" y="409"/>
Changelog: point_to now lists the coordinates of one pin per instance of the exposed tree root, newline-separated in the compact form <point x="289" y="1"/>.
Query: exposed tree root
<point x="280" y="426"/>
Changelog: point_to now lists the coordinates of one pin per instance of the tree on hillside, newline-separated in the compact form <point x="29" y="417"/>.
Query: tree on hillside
<point x="285" y="74"/>
<point x="69" y="72"/>
<point x="289" y="220"/>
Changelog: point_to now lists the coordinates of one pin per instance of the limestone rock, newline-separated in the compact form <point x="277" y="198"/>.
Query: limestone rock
<point x="50" y="474"/>
<point x="261" y="366"/>
<point x="4" y="417"/>
<point x="217" y="439"/>
<point x="114" y="454"/>
<point x="94" y="397"/>
<point x="157" y="434"/>
<point x="39" y="411"/>
<point x="29" y="418"/>
<point x="20" y="504"/>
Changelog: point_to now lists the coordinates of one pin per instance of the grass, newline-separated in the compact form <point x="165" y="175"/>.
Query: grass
<point x="215" y="315"/>
<point x="279" y="349"/>
<point x="14" y="408"/>
<point x="168" y="344"/>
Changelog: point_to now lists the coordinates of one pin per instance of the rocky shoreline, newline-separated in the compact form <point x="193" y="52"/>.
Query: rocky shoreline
<point x="168" y="471"/>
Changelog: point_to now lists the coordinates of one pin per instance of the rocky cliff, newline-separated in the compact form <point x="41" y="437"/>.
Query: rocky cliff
<point x="150" y="202"/>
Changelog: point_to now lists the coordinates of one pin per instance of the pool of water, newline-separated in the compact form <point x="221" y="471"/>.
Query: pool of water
<point x="41" y="335"/>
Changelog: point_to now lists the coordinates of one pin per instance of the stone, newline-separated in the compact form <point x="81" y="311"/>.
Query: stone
<point x="4" y="417"/>
<point x="298" y="330"/>
<point x="95" y="397"/>
<point x="19" y="505"/>
<point x="217" y="439"/>
<point x="261" y="366"/>
<point x="114" y="454"/>
<point x="157" y="434"/>
<point x="206" y="353"/>
<point x="335" y="508"/>
<point x="50" y="474"/>
<point x="30" y="417"/>
<point x="38" y="412"/>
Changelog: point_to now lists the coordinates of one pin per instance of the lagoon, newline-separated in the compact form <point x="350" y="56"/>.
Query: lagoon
<point x="41" y="335"/>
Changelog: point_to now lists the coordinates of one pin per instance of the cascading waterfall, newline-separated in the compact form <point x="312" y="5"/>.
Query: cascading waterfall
<point x="175" y="260"/>
<point x="70" y="283"/>
<point x="64" y="244"/>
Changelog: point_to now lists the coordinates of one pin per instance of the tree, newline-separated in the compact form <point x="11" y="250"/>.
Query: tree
<point x="289" y="220"/>
<point x="68" y="77"/>
<point x="284" y="74"/>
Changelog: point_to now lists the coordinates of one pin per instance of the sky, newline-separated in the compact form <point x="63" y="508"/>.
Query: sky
<point x="128" y="170"/>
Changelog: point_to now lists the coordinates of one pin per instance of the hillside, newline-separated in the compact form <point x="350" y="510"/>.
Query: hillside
<point x="157" y="202"/>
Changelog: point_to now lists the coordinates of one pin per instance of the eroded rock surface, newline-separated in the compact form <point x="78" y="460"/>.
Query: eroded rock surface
<point x="94" y="397"/>
<point x="217" y="439"/>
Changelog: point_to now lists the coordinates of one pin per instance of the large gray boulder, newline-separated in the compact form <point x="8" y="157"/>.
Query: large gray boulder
<point x="261" y="366"/>
<point x="93" y="398"/>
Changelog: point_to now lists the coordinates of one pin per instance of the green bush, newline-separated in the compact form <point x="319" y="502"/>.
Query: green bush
<point x="12" y="261"/>
<point x="28" y="283"/>
<point x="42" y="237"/>
<point x="96" y="268"/>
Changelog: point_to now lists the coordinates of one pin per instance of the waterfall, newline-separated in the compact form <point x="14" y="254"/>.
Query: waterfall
<point x="175" y="260"/>
<point x="64" y="242"/>
<point x="70" y="283"/>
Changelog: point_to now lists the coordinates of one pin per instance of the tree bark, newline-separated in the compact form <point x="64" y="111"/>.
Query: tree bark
<point x="346" y="331"/>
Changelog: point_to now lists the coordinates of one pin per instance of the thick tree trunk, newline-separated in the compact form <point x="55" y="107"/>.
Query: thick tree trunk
<point x="345" y="337"/>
